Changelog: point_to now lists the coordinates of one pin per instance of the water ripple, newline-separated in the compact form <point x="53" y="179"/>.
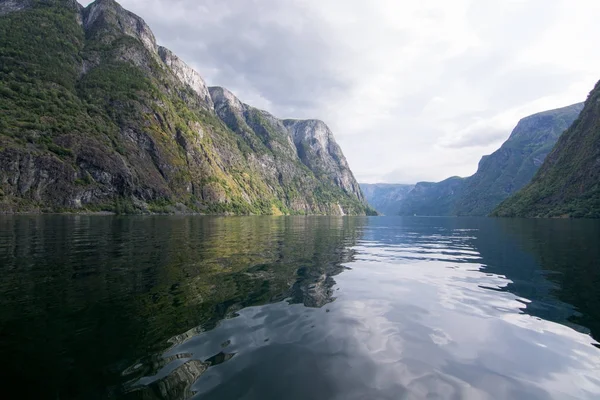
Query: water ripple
<point x="299" y="308"/>
<point x="418" y="317"/>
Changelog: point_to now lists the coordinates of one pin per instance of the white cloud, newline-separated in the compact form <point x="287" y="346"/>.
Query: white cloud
<point x="413" y="90"/>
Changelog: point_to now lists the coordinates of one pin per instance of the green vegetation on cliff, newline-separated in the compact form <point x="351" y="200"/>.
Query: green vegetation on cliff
<point x="95" y="116"/>
<point x="513" y="165"/>
<point x="568" y="183"/>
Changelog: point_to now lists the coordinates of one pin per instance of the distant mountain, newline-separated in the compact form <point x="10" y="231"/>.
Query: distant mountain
<point x="499" y="175"/>
<point x="568" y="182"/>
<point x="94" y="115"/>
<point x="511" y="167"/>
<point x="432" y="199"/>
<point x="385" y="198"/>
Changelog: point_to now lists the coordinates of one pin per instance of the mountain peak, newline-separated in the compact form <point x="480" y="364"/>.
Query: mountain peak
<point x="107" y="15"/>
<point x="223" y="97"/>
<point x="546" y="122"/>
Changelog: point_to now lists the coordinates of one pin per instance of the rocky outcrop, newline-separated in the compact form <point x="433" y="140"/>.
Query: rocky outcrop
<point x="281" y="149"/>
<point x="258" y="127"/>
<point x="119" y="123"/>
<point x="319" y="151"/>
<point x="226" y="102"/>
<point x="28" y="176"/>
<point x="102" y="15"/>
<point x="186" y="75"/>
<point x="310" y="141"/>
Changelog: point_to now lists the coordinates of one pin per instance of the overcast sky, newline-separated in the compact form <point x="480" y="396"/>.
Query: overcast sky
<point x="413" y="90"/>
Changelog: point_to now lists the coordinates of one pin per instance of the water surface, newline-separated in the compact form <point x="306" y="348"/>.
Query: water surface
<point x="299" y="308"/>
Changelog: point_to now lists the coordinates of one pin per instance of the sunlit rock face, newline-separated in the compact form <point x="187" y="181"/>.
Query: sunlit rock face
<point x="186" y="75"/>
<point x="318" y="149"/>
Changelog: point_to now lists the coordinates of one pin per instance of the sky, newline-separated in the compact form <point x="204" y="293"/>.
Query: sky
<point x="413" y="91"/>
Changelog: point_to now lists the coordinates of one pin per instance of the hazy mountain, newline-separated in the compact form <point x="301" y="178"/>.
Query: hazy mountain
<point x="568" y="182"/>
<point x="384" y="197"/>
<point x="500" y="174"/>
<point x="95" y="115"/>
<point x="428" y="198"/>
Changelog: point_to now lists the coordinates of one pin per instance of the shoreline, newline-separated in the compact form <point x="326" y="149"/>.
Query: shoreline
<point x="114" y="214"/>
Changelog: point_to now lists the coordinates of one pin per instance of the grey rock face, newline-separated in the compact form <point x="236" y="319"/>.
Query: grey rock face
<point x="223" y="99"/>
<point x="244" y="118"/>
<point x="274" y="152"/>
<point x="44" y="179"/>
<point x="319" y="151"/>
<point x="186" y="75"/>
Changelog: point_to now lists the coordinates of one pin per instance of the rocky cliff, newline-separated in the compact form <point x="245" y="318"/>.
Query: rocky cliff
<point x="94" y="115"/>
<point x="568" y="182"/>
<point x="499" y="175"/>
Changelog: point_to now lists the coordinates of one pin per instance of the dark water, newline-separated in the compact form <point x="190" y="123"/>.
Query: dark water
<point x="299" y="308"/>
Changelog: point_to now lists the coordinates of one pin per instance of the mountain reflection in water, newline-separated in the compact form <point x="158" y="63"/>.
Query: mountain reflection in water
<point x="299" y="307"/>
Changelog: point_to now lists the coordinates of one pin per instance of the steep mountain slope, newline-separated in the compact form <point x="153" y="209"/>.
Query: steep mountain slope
<point x="95" y="115"/>
<point x="318" y="151"/>
<point x="513" y="166"/>
<point x="500" y="174"/>
<point x="385" y="198"/>
<point x="568" y="183"/>
<point x="280" y="152"/>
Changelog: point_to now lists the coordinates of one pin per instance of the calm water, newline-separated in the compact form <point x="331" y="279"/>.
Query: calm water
<point x="299" y="308"/>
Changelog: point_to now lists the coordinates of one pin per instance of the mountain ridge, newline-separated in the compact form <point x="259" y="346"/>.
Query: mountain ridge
<point x="97" y="116"/>
<point x="499" y="174"/>
<point x="567" y="183"/>
<point x="513" y="165"/>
